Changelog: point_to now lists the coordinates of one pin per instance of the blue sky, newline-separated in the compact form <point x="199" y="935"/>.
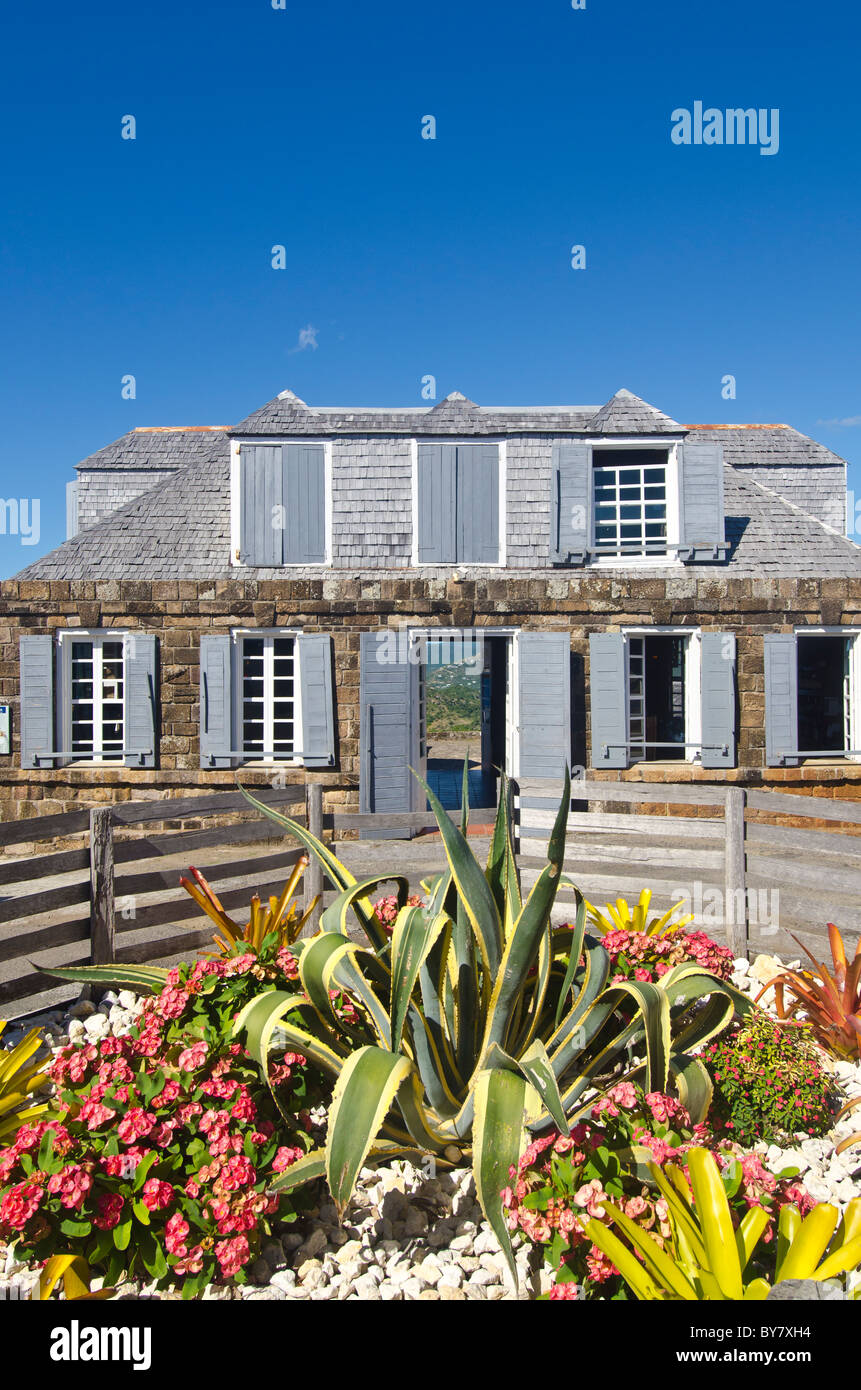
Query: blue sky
<point x="405" y="256"/>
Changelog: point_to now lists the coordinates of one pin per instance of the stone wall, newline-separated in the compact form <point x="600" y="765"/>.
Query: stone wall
<point x="179" y="611"/>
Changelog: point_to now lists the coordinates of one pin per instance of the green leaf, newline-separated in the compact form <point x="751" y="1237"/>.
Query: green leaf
<point x="498" y="1141"/>
<point x="335" y="917"/>
<point x="143" y="979"/>
<point x="338" y="873"/>
<point x="574" y="955"/>
<point x="142" y="1169"/>
<point x="412" y="939"/>
<point x="123" y="1233"/>
<point x="472" y="886"/>
<point x="141" y="1211"/>
<point x="362" y="1097"/>
<point x="76" y="1229"/>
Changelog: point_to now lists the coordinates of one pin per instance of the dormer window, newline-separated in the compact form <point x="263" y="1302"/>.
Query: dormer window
<point x="620" y="500"/>
<point x="459" y="493"/>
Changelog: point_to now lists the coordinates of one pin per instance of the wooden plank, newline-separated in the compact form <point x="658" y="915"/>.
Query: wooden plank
<point x="157" y="880"/>
<point x="737" y="932"/>
<point x="31" y="904"/>
<point x="535" y="791"/>
<point x="102" y="886"/>
<point x="587" y="822"/>
<point x="186" y="841"/>
<point x="401" y="820"/>
<point x="153" y="948"/>
<point x="44" y="866"/>
<point x="790" y="872"/>
<point x="135" y="812"/>
<point x="783" y="839"/>
<point x="38" y="828"/>
<point x="690" y="859"/>
<point x="629" y="864"/>
<point x="816" y="807"/>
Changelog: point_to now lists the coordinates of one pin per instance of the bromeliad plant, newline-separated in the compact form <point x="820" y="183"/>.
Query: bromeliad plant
<point x="282" y="916"/>
<point x="20" y="1076"/>
<point x="830" y="999"/>
<point x="620" y="916"/>
<point x="709" y="1255"/>
<point x="477" y="1020"/>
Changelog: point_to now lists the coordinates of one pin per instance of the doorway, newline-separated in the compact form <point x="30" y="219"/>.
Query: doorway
<point x="824" y="689"/>
<point x="465" y="712"/>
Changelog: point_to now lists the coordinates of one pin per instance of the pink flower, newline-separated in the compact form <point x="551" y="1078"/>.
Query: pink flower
<point x="232" y="1255"/>
<point x="176" y="1230"/>
<point x="19" y="1204"/>
<point x="135" y="1124"/>
<point x="71" y="1186"/>
<point x="285" y="1157"/>
<point x="192" y="1058"/>
<point x="108" y="1211"/>
<point x="93" y="1114"/>
<point x="625" y="1095"/>
<point x="238" y="1172"/>
<point x="589" y="1196"/>
<point x="157" y="1194"/>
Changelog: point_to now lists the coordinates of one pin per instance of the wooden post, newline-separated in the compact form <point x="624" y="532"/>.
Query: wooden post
<point x="314" y="871"/>
<point x="102" y="919"/>
<point x="735" y="892"/>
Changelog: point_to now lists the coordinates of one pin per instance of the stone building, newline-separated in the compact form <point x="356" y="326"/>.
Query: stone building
<point x="647" y="599"/>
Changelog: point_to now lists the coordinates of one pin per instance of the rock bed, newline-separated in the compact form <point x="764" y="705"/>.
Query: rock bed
<point x="411" y="1234"/>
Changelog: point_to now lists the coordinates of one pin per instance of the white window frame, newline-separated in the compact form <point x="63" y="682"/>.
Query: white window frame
<point x="467" y="565"/>
<point x="853" y="635"/>
<point x="692" y="690"/>
<point x="238" y="636"/>
<point x="236" y="500"/>
<point x="98" y="636"/>
<point x="670" y="558"/>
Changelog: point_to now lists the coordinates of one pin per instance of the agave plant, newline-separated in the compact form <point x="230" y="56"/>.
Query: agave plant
<point x="830" y="999"/>
<point x="477" y="1020"/>
<point x="620" y="916"/>
<point x="281" y="915"/>
<point x="707" y="1258"/>
<point x="19" y="1078"/>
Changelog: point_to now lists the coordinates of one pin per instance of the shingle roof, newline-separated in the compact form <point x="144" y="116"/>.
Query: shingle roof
<point x="625" y="413"/>
<point x="180" y="529"/>
<point x="160" y="447"/>
<point x="287" y="415"/>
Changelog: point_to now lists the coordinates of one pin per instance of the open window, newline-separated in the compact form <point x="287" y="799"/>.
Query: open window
<point x="266" y="697"/>
<point x="663" y="696"/>
<point x="630" y="489"/>
<point x="812" y="696"/>
<point x="89" y="697"/>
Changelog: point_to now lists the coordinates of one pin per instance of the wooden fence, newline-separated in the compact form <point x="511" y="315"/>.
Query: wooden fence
<point x="119" y="898"/>
<point x="749" y="878"/>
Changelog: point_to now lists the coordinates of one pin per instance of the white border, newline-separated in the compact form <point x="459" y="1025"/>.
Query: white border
<point x="237" y="634"/>
<point x="693" y="688"/>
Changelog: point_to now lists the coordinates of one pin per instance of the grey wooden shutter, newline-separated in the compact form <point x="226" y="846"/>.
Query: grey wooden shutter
<point x="141" y="699"/>
<point x="314" y="652"/>
<point x="544" y="691"/>
<point x="387" y="731"/>
<point x="780" y="654"/>
<point x="437" y="485"/>
<point x="304" y="504"/>
<point x="569" y="502"/>
<point x="37" y="698"/>
<point x="477" y="504"/>
<point x="717" y="699"/>
<point x="216" y="700"/>
<point x="608" y="689"/>
<point x="701" y="504"/>
<point x="261" y="540"/>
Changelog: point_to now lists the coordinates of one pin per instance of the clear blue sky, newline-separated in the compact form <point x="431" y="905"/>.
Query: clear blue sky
<point x="406" y="256"/>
